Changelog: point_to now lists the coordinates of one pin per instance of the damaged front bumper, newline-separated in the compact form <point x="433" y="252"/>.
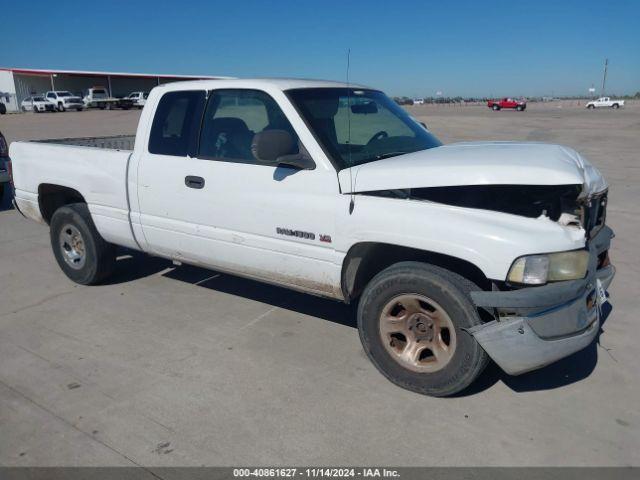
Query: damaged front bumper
<point x="540" y="325"/>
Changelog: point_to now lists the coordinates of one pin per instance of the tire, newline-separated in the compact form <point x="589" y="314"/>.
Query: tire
<point x="615" y="105"/>
<point x="73" y="222"/>
<point x="591" y="107"/>
<point x="1" y="191"/>
<point x="61" y="107"/>
<point x="24" y="109"/>
<point x="442" y="289"/>
<point x="519" y="108"/>
<point x="3" y="108"/>
<point x="79" y="109"/>
<point x="495" y="108"/>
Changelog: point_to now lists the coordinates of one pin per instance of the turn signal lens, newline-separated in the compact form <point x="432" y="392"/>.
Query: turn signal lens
<point x="531" y="270"/>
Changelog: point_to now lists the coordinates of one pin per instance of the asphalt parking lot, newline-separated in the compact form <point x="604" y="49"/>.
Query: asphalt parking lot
<point x="183" y="366"/>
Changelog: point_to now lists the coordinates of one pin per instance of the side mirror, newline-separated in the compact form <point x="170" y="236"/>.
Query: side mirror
<point x="275" y="147"/>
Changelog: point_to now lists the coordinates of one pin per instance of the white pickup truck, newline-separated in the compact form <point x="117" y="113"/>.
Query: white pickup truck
<point x="64" y="100"/>
<point x="455" y="253"/>
<point x="138" y="98"/>
<point x="605" y="102"/>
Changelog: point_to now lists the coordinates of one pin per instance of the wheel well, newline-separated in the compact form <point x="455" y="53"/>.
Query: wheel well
<point x="365" y="260"/>
<point x="52" y="197"/>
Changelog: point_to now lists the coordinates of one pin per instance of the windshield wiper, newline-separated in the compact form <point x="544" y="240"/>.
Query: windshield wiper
<point x="388" y="154"/>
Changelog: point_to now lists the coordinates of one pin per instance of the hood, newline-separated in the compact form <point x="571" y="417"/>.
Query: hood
<point x="476" y="163"/>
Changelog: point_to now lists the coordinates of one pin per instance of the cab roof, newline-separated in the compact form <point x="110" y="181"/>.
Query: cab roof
<point x="258" y="83"/>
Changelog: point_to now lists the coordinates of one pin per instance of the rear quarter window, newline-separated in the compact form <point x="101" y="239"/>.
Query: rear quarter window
<point x="176" y="123"/>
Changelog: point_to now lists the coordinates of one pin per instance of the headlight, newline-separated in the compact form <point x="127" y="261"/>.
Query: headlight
<point x="551" y="267"/>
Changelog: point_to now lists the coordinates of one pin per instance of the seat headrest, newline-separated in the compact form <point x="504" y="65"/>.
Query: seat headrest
<point x="228" y="124"/>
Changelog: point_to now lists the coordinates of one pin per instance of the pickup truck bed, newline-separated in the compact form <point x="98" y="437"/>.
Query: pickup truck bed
<point x="99" y="166"/>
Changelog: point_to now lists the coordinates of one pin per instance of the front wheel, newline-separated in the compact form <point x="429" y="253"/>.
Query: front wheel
<point x="61" y="107"/>
<point x="413" y="320"/>
<point x="495" y="108"/>
<point x="82" y="254"/>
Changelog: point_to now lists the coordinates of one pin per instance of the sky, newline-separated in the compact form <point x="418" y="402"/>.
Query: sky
<point x="412" y="48"/>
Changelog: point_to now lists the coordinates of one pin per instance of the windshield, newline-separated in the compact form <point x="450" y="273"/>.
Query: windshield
<point x="64" y="94"/>
<point x="358" y="126"/>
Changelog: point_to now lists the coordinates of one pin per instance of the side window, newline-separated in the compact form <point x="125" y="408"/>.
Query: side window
<point x="51" y="95"/>
<point x="175" y="124"/>
<point x="231" y="120"/>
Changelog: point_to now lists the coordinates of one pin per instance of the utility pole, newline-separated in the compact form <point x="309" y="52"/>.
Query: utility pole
<point x="604" y="77"/>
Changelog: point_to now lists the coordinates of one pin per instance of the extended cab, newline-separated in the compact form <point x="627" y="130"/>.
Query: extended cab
<point x="63" y="100"/>
<point x="518" y="105"/>
<point x="455" y="253"/>
<point x="605" y="102"/>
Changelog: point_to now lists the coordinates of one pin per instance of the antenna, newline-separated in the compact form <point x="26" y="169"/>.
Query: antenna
<point x="352" y="201"/>
<point x="604" y="76"/>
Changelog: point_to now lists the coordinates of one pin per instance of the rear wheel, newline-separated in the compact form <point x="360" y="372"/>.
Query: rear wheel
<point x="82" y="254"/>
<point x="1" y="191"/>
<point x="615" y="105"/>
<point x="591" y="107"/>
<point x="413" y="320"/>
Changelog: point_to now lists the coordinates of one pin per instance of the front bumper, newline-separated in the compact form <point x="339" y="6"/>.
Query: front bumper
<point x="539" y="325"/>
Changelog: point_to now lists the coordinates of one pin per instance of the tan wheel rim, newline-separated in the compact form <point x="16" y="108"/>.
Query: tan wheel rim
<point x="417" y="333"/>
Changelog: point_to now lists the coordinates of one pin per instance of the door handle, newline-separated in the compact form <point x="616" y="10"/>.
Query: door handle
<point x="194" y="182"/>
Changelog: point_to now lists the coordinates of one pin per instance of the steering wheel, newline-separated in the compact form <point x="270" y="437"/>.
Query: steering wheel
<point x="378" y="136"/>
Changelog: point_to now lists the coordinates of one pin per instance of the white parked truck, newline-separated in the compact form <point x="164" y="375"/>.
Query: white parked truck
<point x="138" y="98"/>
<point x="98" y="97"/>
<point x="605" y="102"/>
<point x="64" y="100"/>
<point x="454" y="253"/>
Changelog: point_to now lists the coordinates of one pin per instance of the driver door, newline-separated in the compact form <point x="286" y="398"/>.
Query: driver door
<point x="219" y="207"/>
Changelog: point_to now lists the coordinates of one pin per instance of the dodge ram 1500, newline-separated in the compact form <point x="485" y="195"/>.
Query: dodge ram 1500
<point x="455" y="253"/>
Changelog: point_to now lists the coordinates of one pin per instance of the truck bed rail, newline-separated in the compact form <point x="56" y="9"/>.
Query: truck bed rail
<point x="117" y="142"/>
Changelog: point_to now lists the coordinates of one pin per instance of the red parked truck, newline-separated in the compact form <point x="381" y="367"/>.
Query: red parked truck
<point x="519" y="105"/>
